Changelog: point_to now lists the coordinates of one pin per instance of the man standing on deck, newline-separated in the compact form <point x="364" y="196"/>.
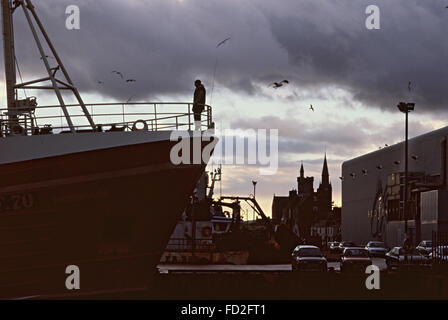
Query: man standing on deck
<point x="198" y="103"/>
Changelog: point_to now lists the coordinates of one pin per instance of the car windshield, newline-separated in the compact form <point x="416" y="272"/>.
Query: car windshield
<point x="427" y="243"/>
<point x="356" y="253"/>
<point x="310" y="252"/>
<point x="346" y="244"/>
<point x="376" y="245"/>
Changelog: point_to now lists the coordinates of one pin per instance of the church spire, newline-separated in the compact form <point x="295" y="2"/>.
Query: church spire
<point x="325" y="174"/>
<point x="302" y="172"/>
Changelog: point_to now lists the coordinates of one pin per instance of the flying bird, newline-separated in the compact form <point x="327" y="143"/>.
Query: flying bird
<point x="47" y="57"/>
<point x="99" y="82"/>
<point x="397" y="162"/>
<point x="311" y="107"/>
<point x="415" y="157"/>
<point x="131" y="80"/>
<point x="379" y="167"/>
<point x="409" y="86"/>
<point x="276" y="85"/>
<point x="223" y="41"/>
<point x="118" y="73"/>
<point x="364" y="171"/>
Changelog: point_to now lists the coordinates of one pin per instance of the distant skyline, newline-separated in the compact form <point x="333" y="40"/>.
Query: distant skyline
<point x="352" y="76"/>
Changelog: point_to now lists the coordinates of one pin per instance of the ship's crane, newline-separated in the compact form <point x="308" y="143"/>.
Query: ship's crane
<point x="284" y="237"/>
<point x="252" y="202"/>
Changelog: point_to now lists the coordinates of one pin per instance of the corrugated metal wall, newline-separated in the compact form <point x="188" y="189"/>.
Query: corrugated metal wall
<point x="359" y="188"/>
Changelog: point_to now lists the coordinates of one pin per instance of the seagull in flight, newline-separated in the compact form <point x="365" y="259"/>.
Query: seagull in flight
<point x="276" y="85"/>
<point x="311" y="107"/>
<point x="222" y="42"/>
<point x="99" y="82"/>
<point x="131" y="80"/>
<point x="118" y="73"/>
<point x="48" y="57"/>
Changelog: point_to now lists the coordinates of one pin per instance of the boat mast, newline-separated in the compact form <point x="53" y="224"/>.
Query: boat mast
<point x="56" y="84"/>
<point x="9" y="57"/>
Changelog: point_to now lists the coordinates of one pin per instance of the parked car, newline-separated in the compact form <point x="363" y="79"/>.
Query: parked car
<point x="440" y="254"/>
<point x="308" y="258"/>
<point x="397" y="258"/>
<point x="376" y="248"/>
<point x="345" y="244"/>
<point x="355" y="259"/>
<point x="425" y="247"/>
<point x="334" y="247"/>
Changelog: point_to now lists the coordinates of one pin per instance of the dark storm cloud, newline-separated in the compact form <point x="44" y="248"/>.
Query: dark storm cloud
<point x="328" y="43"/>
<point x="166" y="44"/>
<point x="299" y="136"/>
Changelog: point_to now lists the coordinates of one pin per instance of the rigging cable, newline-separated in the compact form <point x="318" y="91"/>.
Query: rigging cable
<point x="213" y="80"/>
<point x="20" y="74"/>
<point x="215" y="67"/>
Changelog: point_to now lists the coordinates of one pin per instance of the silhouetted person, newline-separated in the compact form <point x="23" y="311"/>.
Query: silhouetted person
<point x="198" y="103"/>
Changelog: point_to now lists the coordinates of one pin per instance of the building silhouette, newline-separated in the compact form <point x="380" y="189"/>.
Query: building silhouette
<point x="307" y="212"/>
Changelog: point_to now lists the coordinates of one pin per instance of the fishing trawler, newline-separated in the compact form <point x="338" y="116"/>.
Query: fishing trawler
<point x="85" y="188"/>
<point x="210" y="234"/>
<point x="196" y="237"/>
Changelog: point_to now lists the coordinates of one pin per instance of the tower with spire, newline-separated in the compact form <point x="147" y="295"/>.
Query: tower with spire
<point x="305" y="185"/>
<point x="303" y="208"/>
<point x="324" y="192"/>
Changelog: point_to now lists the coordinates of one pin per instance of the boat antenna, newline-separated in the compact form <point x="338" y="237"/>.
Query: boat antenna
<point x="56" y="84"/>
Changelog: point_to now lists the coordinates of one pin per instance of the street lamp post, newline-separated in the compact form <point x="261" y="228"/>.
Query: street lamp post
<point x="254" y="184"/>
<point x="406" y="108"/>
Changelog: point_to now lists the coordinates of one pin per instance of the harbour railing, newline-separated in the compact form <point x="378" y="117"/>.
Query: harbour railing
<point x="129" y="116"/>
<point x="198" y="244"/>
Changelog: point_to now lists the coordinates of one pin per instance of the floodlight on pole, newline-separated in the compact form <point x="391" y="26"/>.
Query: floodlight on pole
<point x="406" y="107"/>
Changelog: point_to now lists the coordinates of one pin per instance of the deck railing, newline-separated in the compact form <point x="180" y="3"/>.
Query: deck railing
<point x="151" y="116"/>
<point x="198" y="244"/>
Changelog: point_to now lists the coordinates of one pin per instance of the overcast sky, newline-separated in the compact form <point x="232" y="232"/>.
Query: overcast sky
<point x="353" y="76"/>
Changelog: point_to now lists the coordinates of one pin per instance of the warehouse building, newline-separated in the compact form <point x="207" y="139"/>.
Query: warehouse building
<point x="373" y="192"/>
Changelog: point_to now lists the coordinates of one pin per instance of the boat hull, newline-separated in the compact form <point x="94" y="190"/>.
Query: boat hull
<point x="109" y="212"/>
